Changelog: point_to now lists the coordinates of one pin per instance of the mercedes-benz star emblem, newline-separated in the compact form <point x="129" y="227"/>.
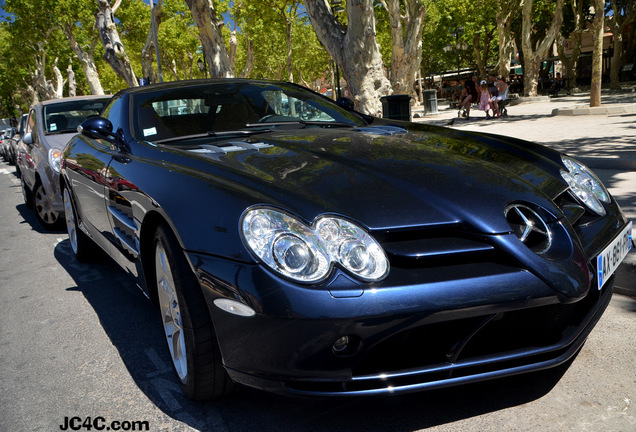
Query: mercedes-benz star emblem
<point x="529" y="227"/>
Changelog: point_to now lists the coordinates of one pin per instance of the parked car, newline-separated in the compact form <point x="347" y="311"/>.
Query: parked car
<point x="18" y="133"/>
<point x="297" y="246"/>
<point x="49" y="127"/>
<point x="5" y="140"/>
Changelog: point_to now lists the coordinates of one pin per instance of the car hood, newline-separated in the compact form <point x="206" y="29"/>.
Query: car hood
<point x="58" y="141"/>
<point x="392" y="180"/>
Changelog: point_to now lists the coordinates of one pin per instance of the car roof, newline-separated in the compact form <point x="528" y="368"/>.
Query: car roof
<point x="67" y="99"/>
<point x="191" y="83"/>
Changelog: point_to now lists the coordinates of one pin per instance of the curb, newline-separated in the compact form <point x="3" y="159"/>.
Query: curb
<point x="617" y="109"/>
<point x="625" y="282"/>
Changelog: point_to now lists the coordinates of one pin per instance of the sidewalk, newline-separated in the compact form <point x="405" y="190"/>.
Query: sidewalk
<point x="603" y="138"/>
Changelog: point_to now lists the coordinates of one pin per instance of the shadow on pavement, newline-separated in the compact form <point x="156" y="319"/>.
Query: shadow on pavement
<point x="133" y="326"/>
<point x="28" y="217"/>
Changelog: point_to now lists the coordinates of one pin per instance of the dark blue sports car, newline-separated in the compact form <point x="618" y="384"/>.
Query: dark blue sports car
<point x="297" y="246"/>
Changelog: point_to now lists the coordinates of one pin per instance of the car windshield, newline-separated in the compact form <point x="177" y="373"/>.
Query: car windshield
<point x="64" y="117"/>
<point x="218" y="109"/>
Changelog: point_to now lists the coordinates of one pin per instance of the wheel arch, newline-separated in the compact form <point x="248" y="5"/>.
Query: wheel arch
<point x="152" y="221"/>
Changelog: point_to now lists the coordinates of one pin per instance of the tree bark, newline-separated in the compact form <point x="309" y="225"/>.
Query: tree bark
<point x="41" y="86"/>
<point x="57" y="86"/>
<point x="505" y="9"/>
<point x="87" y="61"/>
<point x="598" y="29"/>
<point x="533" y="56"/>
<point x="249" y="58"/>
<point x="72" y="87"/>
<point x="115" y="54"/>
<point x="233" y="44"/>
<point x="148" y="51"/>
<point x="406" y="35"/>
<point x="618" y="25"/>
<point x="355" y="50"/>
<point x="216" y="54"/>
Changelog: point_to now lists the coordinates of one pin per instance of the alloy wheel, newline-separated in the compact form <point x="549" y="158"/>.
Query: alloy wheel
<point x="170" y="312"/>
<point x="69" y="215"/>
<point x="42" y="204"/>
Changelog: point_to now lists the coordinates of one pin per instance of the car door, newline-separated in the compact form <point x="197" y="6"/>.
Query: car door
<point x="26" y="156"/>
<point x="87" y="160"/>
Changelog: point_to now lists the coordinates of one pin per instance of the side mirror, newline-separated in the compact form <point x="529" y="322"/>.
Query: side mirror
<point x="28" y="139"/>
<point x="346" y="103"/>
<point x="98" y="128"/>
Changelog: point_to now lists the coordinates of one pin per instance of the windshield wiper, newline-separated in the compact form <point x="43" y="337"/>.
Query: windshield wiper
<point x="212" y="134"/>
<point x="296" y="123"/>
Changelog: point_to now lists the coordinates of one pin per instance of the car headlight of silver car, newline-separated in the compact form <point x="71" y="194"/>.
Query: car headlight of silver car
<point x="585" y="185"/>
<point x="307" y="253"/>
<point x="55" y="160"/>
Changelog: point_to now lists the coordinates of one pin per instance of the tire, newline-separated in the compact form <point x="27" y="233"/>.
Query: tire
<point x="192" y="343"/>
<point x="26" y="193"/>
<point x="81" y="244"/>
<point x="48" y="218"/>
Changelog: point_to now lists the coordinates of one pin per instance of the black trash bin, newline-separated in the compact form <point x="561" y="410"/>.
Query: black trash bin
<point x="396" y="107"/>
<point x="430" y="101"/>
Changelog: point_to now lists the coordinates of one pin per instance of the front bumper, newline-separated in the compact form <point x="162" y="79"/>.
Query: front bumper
<point x="460" y="326"/>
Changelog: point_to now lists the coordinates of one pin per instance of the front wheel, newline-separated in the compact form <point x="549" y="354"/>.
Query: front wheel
<point x="187" y="326"/>
<point x="81" y="244"/>
<point x="42" y="203"/>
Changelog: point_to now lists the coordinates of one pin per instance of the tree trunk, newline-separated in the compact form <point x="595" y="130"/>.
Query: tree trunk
<point x="149" y="50"/>
<point x="622" y="17"/>
<point x="288" y="43"/>
<point x="570" y="64"/>
<point x="598" y="29"/>
<point x="533" y="56"/>
<point x="505" y="9"/>
<point x="406" y="35"/>
<point x="57" y="86"/>
<point x="211" y="38"/>
<point x="115" y="54"/>
<point x="72" y="87"/>
<point x="87" y="61"/>
<point x="249" y="58"/>
<point x="355" y="50"/>
<point x="615" y="63"/>
<point x="41" y="86"/>
<point x="233" y="44"/>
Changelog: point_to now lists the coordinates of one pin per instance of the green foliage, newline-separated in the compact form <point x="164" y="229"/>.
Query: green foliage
<point x="263" y="23"/>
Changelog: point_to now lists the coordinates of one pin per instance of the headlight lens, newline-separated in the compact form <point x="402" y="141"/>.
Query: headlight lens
<point x="353" y="248"/>
<point x="585" y="185"/>
<point x="306" y="254"/>
<point x="55" y="160"/>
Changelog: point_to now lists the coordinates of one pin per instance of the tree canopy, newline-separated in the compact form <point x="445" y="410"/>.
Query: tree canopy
<point x="53" y="48"/>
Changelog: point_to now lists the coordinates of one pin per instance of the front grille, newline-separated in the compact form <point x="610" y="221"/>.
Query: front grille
<point x="438" y="248"/>
<point x="489" y="346"/>
<point x="449" y="342"/>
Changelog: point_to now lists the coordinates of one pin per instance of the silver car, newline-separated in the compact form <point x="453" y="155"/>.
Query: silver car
<point x="12" y="150"/>
<point x="5" y="140"/>
<point x="49" y="127"/>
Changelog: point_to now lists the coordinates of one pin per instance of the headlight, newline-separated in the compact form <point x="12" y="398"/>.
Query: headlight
<point x="55" y="159"/>
<point x="307" y="254"/>
<point x="353" y="248"/>
<point x="585" y="185"/>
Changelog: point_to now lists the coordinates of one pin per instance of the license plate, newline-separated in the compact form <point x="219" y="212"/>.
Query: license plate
<point x="608" y="260"/>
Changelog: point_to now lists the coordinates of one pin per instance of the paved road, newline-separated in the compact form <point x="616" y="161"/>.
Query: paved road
<point x="80" y="341"/>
